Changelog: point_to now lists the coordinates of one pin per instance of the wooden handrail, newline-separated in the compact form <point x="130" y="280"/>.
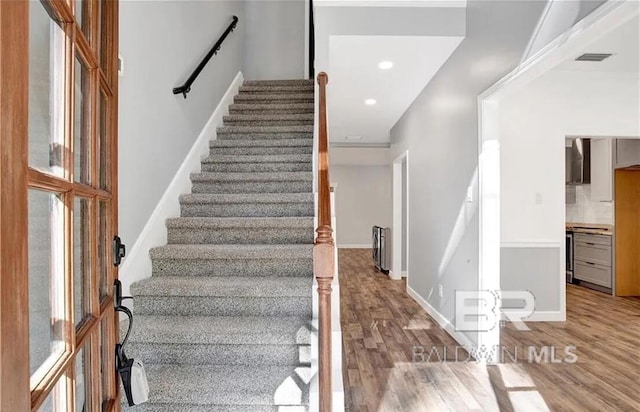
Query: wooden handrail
<point x="323" y="254"/>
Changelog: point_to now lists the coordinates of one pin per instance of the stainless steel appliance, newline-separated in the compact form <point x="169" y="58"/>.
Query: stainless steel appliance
<point x="578" y="162"/>
<point x="381" y="237"/>
<point x="569" y="256"/>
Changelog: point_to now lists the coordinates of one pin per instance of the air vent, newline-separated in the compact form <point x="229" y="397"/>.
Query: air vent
<point x="593" y="57"/>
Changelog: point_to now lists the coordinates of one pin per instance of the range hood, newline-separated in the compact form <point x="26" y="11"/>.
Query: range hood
<point x="578" y="162"/>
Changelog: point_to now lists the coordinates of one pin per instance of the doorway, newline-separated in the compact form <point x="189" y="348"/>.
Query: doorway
<point x="400" y="231"/>
<point x="566" y="47"/>
<point x="58" y="217"/>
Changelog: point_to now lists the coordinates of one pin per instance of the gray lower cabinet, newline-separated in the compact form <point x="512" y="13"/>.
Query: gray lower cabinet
<point x="592" y="259"/>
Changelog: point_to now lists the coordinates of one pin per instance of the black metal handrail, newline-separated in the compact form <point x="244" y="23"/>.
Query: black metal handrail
<point x="186" y="87"/>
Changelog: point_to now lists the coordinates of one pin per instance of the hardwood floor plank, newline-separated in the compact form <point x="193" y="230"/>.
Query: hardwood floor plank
<point x="382" y="325"/>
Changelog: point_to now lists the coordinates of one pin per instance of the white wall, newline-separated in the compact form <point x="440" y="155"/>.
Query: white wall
<point x="363" y="199"/>
<point x="440" y="132"/>
<point x="534" y="123"/>
<point x="157" y="128"/>
<point x="275" y="34"/>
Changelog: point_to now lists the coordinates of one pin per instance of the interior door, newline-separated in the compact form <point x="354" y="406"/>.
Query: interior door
<point x="58" y="212"/>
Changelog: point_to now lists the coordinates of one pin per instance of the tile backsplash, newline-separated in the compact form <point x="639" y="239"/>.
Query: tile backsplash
<point x="585" y="210"/>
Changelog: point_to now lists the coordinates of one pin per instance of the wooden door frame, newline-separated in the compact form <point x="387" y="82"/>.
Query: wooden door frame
<point x="14" y="305"/>
<point x="16" y="177"/>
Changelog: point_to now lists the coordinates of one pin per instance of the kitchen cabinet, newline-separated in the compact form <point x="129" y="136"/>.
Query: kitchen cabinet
<point x="602" y="170"/>
<point x="627" y="153"/>
<point x="592" y="259"/>
<point x="627" y="240"/>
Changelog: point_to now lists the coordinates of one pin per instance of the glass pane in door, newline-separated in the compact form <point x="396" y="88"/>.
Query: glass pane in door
<point x="83" y="16"/>
<point x="46" y="281"/>
<point x="104" y="250"/>
<point x="46" y="92"/>
<point x="107" y="362"/>
<point x="103" y="143"/>
<point x="104" y="46"/>
<point x="82" y="371"/>
<point x="82" y="123"/>
<point x="57" y="398"/>
<point x="81" y="258"/>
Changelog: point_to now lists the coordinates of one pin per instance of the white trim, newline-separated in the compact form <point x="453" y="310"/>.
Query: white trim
<point x="536" y="31"/>
<point x="307" y="35"/>
<point x="539" y="316"/>
<point x="137" y="265"/>
<point x="488" y="214"/>
<point x="390" y="3"/>
<point x="532" y="244"/>
<point x="405" y="274"/>
<point x="355" y="246"/>
<point x="459" y="337"/>
<point x="397" y="206"/>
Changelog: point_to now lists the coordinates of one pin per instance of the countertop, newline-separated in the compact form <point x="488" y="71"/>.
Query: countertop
<point x="591" y="228"/>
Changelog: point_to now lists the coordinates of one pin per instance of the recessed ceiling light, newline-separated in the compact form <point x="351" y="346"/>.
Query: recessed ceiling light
<point x="385" y="65"/>
<point x="353" y="137"/>
<point x="370" y="102"/>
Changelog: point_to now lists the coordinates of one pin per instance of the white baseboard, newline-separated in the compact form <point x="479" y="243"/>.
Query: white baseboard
<point x="405" y="273"/>
<point x="355" y="246"/>
<point x="459" y="337"/>
<point x="137" y="264"/>
<point x="544" y="316"/>
<point x="532" y="244"/>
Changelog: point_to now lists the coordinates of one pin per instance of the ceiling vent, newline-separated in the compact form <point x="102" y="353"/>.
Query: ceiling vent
<point x="593" y="57"/>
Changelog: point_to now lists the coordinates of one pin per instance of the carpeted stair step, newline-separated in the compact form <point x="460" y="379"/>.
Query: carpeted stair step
<point x="268" y="132"/>
<point x="277" y="89"/>
<point x="269" y="119"/>
<point x="249" y="205"/>
<point x="263" y="143"/>
<point x="228" y="388"/>
<point x="240" y="230"/>
<point x="260" y="150"/>
<point x="232" y="260"/>
<point x="244" y="163"/>
<point x="263" y="98"/>
<point x="155" y="407"/>
<point x="256" y="167"/>
<point x="265" y="132"/>
<point x="260" y="158"/>
<point x="259" y="147"/>
<point x="224" y="296"/>
<point x="220" y="340"/>
<point x="272" y="108"/>
<point x="292" y="82"/>
<point x="224" y="322"/>
<point x="276" y="182"/>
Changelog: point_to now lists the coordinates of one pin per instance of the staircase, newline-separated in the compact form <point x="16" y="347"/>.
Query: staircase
<point x="224" y="322"/>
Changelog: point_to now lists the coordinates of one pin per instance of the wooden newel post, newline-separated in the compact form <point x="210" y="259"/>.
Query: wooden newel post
<point x="324" y="254"/>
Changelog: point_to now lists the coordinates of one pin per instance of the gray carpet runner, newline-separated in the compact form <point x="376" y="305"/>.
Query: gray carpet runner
<point x="224" y="322"/>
